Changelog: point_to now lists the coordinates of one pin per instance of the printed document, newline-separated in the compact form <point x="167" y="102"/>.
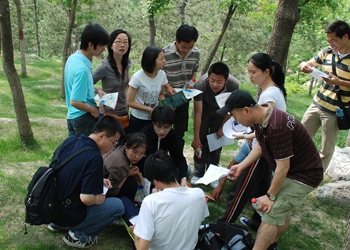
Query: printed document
<point x="213" y="173"/>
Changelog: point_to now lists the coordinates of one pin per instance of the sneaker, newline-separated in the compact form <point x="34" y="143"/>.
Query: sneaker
<point x="118" y="222"/>
<point x="72" y="241"/>
<point x="214" y="184"/>
<point x="244" y="221"/>
<point x="52" y="228"/>
<point x="194" y="179"/>
<point x="248" y="223"/>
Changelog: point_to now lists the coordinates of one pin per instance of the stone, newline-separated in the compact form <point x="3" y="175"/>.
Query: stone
<point x="337" y="192"/>
<point x="339" y="167"/>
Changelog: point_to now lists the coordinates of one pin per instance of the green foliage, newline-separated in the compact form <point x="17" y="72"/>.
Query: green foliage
<point x="155" y="7"/>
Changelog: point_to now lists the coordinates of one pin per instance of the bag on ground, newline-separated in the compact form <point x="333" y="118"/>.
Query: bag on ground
<point x="224" y="236"/>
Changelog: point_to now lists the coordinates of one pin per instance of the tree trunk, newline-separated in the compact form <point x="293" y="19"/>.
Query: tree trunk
<point x="182" y="11"/>
<point x="37" y="28"/>
<point x="67" y="42"/>
<point x="287" y="16"/>
<point x="152" y="29"/>
<point x="24" y="127"/>
<point x="21" y="38"/>
<point x="229" y="15"/>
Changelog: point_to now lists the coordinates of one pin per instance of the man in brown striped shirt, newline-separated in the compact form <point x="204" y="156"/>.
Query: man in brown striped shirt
<point x="288" y="148"/>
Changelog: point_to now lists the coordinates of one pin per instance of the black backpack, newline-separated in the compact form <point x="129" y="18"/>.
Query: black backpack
<point x="41" y="205"/>
<point x="224" y="236"/>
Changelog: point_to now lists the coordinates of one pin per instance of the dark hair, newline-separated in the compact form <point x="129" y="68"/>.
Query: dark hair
<point x="340" y="28"/>
<point x="163" y="115"/>
<point x="135" y="140"/>
<point x="186" y="33"/>
<point x="95" y="34"/>
<point x="160" y="167"/>
<point x="125" y="58"/>
<point x="109" y="125"/>
<point x="219" y="68"/>
<point x="263" y="61"/>
<point x="149" y="57"/>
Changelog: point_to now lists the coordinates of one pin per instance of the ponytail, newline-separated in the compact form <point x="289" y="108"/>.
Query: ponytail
<point x="278" y="78"/>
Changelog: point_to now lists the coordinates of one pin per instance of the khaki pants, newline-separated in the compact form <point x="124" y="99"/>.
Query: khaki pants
<point x="313" y="119"/>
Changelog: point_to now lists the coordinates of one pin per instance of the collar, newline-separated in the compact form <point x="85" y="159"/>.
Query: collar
<point x="267" y="115"/>
<point x="84" y="59"/>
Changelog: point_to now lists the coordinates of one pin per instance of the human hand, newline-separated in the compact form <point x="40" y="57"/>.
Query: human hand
<point x="134" y="170"/>
<point x="305" y="67"/>
<point x="107" y="183"/>
<point x="100" y="92"/>
<point x="171" y="91"/>
<point x="235" y="171"/>
<point x="99" y="199"/>
<point x="219" y="134"/>
<point x="333" y="80"/>
<point x="265" y="204"/>
<point x="95" y="112"/>
<point x="217" y="192"/>
<point x="196" y="143"/>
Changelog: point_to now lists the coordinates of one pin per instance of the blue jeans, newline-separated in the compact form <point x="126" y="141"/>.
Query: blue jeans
<point x="243" y="153"/>
<point x="97" y="218"/>
<point x="81" y="125"/>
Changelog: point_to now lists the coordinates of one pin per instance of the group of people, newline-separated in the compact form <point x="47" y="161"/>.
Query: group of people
<point x="279" y="164"/>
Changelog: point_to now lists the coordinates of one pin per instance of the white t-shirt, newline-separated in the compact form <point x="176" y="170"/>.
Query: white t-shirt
<point x="170" y="219"/>
<point x="275" y="95"/>
<point x="147" y="91"/>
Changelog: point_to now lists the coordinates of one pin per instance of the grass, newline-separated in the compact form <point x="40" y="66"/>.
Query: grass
<point x="316" y="224"/>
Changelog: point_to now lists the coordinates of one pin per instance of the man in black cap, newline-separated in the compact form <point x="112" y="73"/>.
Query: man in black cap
<point x="286" y="145"/>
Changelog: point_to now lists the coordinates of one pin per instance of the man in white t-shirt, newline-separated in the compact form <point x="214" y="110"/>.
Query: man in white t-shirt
<point x="170" y="217"/>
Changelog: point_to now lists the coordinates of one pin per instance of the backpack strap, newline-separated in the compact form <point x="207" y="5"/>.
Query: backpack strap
<point x="71" y="156"/>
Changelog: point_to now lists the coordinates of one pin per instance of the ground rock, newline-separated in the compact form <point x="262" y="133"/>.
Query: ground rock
<point x="337" y="192"/>
<point x="339" y="167"/>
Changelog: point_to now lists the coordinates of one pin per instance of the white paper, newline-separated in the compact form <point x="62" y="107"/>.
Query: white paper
<point x="214" y="142"/>
<point x="109" y="100"/>
<point x="134" y="219"/>
<point x="318" y="74"/>
<point x="105" y="189"/>
<point x="213" y="173"/>
<point x="221" y="99"/>
<point x="232" y="128"/>
<point x="189" y="93"/>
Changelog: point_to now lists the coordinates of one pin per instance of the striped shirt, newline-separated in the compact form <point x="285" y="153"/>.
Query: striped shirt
<point x="326" y="97"/>
<point x="179" y="70"/>
<point x="281" y="136"/>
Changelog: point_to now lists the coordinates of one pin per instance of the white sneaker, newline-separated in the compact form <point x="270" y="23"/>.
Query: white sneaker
<point x="194" y="179"/>
<point x="214" y="184"/>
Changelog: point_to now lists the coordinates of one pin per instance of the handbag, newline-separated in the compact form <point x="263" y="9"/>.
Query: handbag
<point x="342" y="112"/>
<point x="224" y="236"/>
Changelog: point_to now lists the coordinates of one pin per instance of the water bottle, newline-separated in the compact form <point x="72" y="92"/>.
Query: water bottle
<point x="199" y="153"/>
<point x="255" y="205"/>
<point x="190" y="84"/>
<point x="339" y="112"/>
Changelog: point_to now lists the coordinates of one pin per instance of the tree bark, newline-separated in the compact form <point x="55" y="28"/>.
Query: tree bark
<point x="67" y="42"/>
<point x="152" y="29"/>
<point x="37" y="28"/>
<point x="229" y="15"/>
<point x="21" y="38"/>
<point x="287" y="16"/>
<point x="182" y="11"/>
<point x="24" y="127"/>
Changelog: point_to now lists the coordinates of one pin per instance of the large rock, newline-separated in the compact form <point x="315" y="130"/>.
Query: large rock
<point x="338" y="192"/>
<point x="339" y="167"/>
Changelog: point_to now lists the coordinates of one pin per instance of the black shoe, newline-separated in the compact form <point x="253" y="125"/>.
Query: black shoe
<point x="72" y="241"/>
<point x="273" y="246"/>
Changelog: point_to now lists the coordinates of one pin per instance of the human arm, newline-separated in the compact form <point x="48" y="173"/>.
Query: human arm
<point x="86" y="107"/>
<point x="141" y="244"/>
<point x="107" y="183"/>
<point x="171" y="91"/>
<point x="306" y="66"/>
<point x="334" y="80"/>
<point x="282" y="168"/>
<point x="130" y="101"/>
<point x="253" y="156"/>
<point x="92" y="199"/>
<point x="161" y="95"/>
<point x="197" y="121"/>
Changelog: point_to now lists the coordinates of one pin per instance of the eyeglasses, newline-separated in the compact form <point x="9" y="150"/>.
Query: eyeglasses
<point x="183" y="48"/>
<point x="113" y="143"/>
<point x="120" y="42"/>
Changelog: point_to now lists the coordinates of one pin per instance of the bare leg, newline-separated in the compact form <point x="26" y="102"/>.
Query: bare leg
<point x="268" y="234"/>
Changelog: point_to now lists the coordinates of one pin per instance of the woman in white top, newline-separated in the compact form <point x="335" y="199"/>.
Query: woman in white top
<point x="145" y="87"/>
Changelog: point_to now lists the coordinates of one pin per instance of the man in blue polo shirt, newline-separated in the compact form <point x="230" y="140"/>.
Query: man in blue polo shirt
<point x="79" y="87"/>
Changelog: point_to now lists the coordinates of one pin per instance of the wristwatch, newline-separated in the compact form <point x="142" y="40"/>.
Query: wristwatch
<point x="271" y="196"/>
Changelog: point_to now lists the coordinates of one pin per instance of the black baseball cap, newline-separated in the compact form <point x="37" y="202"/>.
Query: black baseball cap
<point x="238" y="99"/>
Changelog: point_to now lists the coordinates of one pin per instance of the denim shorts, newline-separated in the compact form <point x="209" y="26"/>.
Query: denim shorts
<point x="288" y="198"/>
<point x="81" y="125"/>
